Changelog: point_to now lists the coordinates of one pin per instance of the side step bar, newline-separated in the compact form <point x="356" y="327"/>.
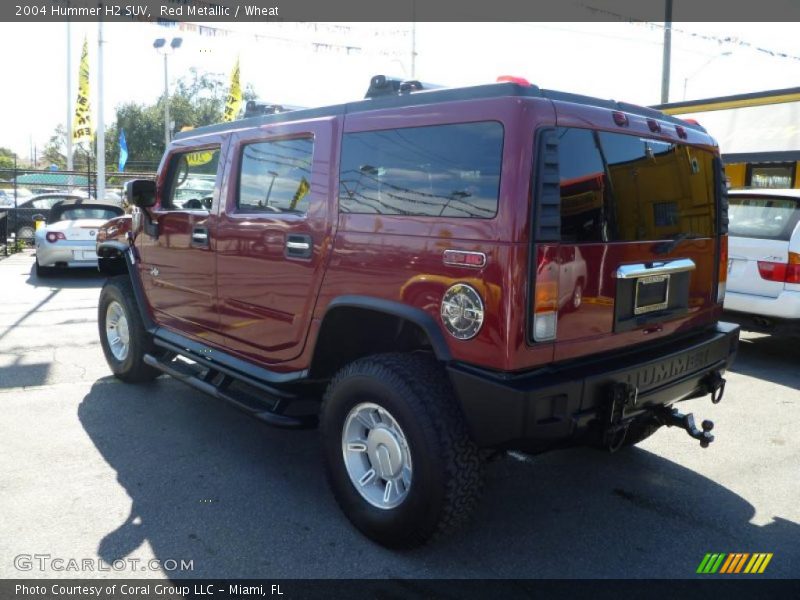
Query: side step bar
<point x="218" y="384"/>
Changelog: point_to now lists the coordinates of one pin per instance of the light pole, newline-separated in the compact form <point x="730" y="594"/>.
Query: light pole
<point x="161" y="47"/>
<point x="703" y="66"/>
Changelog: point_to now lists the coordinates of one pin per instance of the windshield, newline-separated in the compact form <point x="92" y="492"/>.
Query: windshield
<point x="762" y="217"/>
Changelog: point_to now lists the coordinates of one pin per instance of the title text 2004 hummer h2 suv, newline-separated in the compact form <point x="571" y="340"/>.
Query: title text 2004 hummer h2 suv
<point x="449" y="271"/>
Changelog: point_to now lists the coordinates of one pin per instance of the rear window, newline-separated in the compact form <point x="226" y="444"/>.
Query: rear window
<point x="73" y="214"/>
<point x="762" y="217"/>
<point x="625" y="188"/>
<point x="438" y="171"/>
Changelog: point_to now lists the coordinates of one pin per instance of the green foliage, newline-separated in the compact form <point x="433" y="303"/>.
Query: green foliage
<point x="198" y="99"/>
<point x="6" y="159"/>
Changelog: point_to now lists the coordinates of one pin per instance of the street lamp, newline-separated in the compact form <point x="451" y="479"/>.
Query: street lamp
<point x="161" y="47"/>
<point x="703" y="66"/>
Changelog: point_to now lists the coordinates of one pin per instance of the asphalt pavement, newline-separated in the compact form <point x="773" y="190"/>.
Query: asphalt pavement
<point x="92" y="468"/>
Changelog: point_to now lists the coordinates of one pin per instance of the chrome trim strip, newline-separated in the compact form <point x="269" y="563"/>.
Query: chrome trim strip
<point x="680" y="265"/>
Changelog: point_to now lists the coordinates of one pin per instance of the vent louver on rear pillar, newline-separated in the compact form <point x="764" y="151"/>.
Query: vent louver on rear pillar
<point x="547" y="190"/>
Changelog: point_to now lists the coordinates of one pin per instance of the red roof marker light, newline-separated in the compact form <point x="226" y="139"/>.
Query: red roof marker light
<point x="512" y="79"/>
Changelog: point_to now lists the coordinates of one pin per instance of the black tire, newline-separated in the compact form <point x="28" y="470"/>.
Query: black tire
<point x="132" y="368"/>
<point x="447" y="475"/>
<point x="43" y="271"/>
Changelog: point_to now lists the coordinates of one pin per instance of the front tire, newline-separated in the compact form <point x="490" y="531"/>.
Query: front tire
<point x="397" y="452"/>
<point x="122" y="333"/>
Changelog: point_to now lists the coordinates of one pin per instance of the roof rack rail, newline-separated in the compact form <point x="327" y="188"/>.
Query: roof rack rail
<point x="253" y="108"/>
<point x="381" y="85"/>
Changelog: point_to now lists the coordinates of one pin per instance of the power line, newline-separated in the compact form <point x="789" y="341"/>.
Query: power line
<point x="734" y="41"/>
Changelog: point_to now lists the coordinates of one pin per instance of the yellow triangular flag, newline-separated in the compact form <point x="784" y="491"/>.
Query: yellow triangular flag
<point x="234" y="100"/>
<point x="82" y="124"/>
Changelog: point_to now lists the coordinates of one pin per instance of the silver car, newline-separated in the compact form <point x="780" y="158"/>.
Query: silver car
<point x="68" y="238"/>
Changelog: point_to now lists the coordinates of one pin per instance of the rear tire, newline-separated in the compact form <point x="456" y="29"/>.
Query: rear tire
<point x="122" y="334"/>
<point x="392" y="415"/>
<point x="43" y="271"/>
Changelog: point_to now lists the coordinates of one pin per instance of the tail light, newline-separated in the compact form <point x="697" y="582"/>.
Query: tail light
<point x="722" y="277"/>
<point x="545" y="299"/>
<point x="54" y="236"/>
<point x="788" y="272"/>
<point x="793" y="268"/>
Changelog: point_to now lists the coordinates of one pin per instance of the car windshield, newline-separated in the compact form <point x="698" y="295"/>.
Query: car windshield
<point x="762" y="217"/>
<point x="73" y="214"/>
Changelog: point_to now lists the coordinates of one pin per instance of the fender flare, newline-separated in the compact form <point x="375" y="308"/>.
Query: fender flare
<point x="417" y="316"/>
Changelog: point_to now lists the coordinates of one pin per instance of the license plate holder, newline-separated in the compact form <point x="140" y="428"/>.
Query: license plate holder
<point x="85" y="255"/>
<point x="652" y="293"/>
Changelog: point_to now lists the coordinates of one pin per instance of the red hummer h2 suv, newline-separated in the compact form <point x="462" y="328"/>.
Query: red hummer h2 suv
<point x="428" y="275"/>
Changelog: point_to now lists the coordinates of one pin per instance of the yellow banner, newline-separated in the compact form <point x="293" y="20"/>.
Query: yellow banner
<point x="233" y="101"/>
<point x="301" y="192"/>
<point x="82" y="124"/>
<point x="195" y="159"/>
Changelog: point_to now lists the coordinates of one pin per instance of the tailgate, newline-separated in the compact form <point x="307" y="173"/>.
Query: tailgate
<point x="638" y="254"/>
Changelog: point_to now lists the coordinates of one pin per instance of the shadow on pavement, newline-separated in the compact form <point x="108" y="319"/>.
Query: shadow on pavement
<point x="209" y="484"/>
<point x="772" y="358"/>
<point x="66" y="278"/>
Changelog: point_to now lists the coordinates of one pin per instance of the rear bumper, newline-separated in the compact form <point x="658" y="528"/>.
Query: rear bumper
<point x="785" y="305"/>
<point x="66" y="253"/>
<point x="561" y="404"/>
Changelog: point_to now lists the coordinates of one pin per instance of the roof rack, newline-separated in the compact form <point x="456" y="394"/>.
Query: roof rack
<point x="381" y="85"/>
<point x="387" y="92"/>
<point x="254" y="108"/>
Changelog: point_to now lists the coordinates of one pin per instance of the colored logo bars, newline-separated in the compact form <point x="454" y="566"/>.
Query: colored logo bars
<point x="734" y="562"/>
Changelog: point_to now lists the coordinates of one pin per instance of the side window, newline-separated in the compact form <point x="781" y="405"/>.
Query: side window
<point x="44" y="203"/>
<point x="192" y="176"/>
<point x="438" y="171"/>
<point x="275" y="176"/>
<point x="582" y="186"/>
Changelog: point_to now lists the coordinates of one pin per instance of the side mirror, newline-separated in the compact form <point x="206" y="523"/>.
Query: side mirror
<point x="141" y="192"/>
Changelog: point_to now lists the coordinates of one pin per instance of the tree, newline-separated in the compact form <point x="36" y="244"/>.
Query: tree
<point x="199" y="99"/>
<point x="6" y="158"/>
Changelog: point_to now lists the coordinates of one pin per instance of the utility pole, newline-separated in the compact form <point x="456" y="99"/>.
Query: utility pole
<point x="101" y="131"/>
<point x="667" y="51"/>
<point x="69" y="96"/>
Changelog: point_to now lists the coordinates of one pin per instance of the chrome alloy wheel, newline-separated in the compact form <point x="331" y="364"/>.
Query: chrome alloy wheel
<point x="376" y="455"/>
<point x="117" y="334"/>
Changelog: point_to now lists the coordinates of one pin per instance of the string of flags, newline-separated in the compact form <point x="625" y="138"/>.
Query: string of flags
<point x="316" y="28"/>
<point x="731" y="40"/>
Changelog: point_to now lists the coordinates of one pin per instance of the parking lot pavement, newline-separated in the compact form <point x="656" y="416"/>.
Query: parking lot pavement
<point x="92" y="468"/>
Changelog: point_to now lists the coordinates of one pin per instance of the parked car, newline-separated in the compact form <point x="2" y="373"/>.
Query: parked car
<point x="69" y="237"/>
<point x="764" y="260"/>
<point x="21" y="220"/>
<point x="392" y="269"/>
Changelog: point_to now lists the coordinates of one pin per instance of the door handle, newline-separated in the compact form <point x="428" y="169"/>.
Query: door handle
<point x="200" y="237"/>
<point x="299" y="246"/>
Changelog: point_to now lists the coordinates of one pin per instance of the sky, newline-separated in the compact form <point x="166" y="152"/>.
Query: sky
<point x="311" y="65"/>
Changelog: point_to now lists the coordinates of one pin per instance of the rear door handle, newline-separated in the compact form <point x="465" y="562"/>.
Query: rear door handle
<point x="299" y="246"/>
<point x="200" y="237"/>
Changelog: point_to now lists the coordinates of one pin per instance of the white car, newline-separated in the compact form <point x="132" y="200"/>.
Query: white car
<point x="763" y="290"/>
<point x="68" y="238"/>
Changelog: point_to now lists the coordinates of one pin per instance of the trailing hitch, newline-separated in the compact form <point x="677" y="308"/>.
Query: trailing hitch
<point x="672" y="418"/>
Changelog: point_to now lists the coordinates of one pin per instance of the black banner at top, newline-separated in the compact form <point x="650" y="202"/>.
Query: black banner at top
<point x="396" y="10"/>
